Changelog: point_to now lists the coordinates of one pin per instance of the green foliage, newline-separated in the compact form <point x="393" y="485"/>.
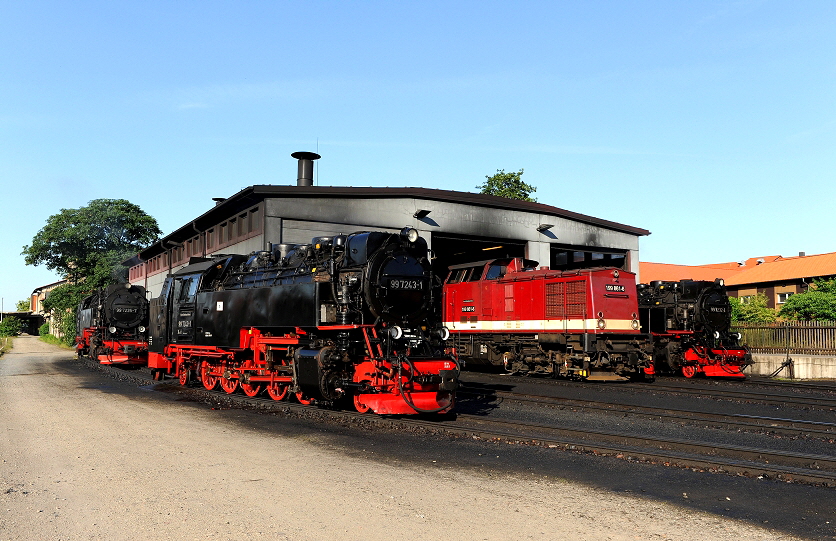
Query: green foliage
<point x="78" y="243"/>
<point x="11" y="326"/>
<point x="55" y="341"/>
<point x="43" y="330"/>
<point x="508" y="185"/>
<point x="62" y="303"/>
<point x="24" y="305"/>
<point x="753" y="311"/>
<point x="818" y="303"/>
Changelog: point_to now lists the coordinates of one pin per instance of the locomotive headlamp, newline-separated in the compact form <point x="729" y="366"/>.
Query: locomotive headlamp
<point x="111" y="330"/>
<point x="409" y="234"/>
<point x="127" y="285"/>
<point x="395" y="332"/>
<point x="716" y="335"/>
<point x="443" y="333"/>
<point x="141" y="328"/>
<point x="602" y="324"/>
<point x="737" y="335"/>
<point x="634" y="325"/>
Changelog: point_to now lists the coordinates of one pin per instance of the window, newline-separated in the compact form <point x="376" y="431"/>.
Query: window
<point x="746" y="299"/>
<point x="495" y="271"/>
<point x="782" y="297"/>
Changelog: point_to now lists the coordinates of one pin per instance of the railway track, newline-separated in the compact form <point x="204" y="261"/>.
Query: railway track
<point x="735" y="421"/>
<point x="687" y="387"/>
<point x="724" y="458"/>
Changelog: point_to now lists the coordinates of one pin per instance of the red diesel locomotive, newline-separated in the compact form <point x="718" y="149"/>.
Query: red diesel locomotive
<point x="111" y="325"/>
<point x="581" y="324"/>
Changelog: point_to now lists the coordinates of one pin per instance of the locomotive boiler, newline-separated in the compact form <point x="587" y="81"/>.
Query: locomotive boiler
<point x="689" y="322"/>
<point x="581" y="324"/>
<point x="344" y="318"/>
<point x="111" y="325"/>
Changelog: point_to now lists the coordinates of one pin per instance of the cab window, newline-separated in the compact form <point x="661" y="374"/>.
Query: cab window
<point x="495" y="271"/>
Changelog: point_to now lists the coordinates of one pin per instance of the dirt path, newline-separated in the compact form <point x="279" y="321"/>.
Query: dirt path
<point x="82" y="461"/>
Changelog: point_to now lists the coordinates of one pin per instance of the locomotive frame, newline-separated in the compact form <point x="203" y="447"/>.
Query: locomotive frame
<point x="111" y="326"/>
<point x="689" y="324"/>
<point x="341" y="318"/>
<point x="581" y="324"/>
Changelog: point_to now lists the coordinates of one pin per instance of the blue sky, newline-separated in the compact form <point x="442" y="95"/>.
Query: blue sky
<point x="712" y="124"/>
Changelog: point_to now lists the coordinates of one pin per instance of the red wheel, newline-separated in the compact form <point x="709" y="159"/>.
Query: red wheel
<point x="277" y="391"/>
<point x="228" y="385"/>
<point x="300" y="396"/>
<point x="185" y="375"/>
<point x="251" y="390"/>
<point x="209" y="381"/>
<point x="360" y="406"/>
<point x="689" y="370"/>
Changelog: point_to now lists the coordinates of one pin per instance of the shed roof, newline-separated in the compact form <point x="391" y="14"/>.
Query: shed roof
<point x="252" y="195"/>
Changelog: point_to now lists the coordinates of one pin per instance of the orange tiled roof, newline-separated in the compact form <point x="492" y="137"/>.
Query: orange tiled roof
<point x="755" y="270"/>
<point x="789" y="268"/>
<point x="648" y="272"/>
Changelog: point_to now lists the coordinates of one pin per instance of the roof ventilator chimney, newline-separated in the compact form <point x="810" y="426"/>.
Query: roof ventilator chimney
<point x="761" y="260"/>
<point x="306" y="159"/>
<point x="802" y="254"/>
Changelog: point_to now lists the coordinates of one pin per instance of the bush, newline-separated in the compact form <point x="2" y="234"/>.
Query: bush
<point x="43" y="330"/>
<point x="11" y="326"/>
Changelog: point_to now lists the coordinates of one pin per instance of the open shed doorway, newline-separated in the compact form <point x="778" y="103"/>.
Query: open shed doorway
<point x="457" y="249"/>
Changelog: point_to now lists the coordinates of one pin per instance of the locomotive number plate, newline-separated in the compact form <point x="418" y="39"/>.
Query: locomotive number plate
<point x="468" y="308"/>
<point x="408" y="285"/>
<point x="615" y="287"/>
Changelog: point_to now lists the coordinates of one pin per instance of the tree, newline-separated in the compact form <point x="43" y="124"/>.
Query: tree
<point x="10" y="326"/>
<point x="87" y="245"/>
<point x="754" y="310"/>
<point x="508" y="185"/>
<point x="24" y="305"/>
<point x="817" y="303"/>
<point x="81" y="243"/>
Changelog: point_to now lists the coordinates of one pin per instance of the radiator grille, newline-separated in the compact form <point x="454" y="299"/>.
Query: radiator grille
<point x="566" y="300"/>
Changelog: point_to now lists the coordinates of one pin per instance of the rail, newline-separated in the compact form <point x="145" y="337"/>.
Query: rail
<point x="792" y="337"/>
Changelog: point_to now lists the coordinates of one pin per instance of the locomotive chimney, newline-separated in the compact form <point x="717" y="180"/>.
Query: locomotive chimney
<point x="306" y="159"/>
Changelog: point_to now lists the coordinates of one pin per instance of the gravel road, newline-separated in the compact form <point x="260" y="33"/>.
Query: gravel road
<point x="85" y="457"/>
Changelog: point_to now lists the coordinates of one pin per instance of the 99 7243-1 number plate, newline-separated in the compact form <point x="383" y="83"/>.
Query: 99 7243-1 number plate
<point x="408" y="285"/>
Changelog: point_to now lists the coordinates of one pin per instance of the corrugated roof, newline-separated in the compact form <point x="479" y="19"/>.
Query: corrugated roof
<point x="755" y="270"/>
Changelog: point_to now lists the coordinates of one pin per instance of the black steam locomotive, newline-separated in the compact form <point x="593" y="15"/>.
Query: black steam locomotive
<point x="111" y="325"/>
<point x="689" y="324"/>
<point x="342" y="318"/>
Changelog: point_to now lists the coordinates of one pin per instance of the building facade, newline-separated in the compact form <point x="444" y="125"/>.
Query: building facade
<point x="459" y="227"/>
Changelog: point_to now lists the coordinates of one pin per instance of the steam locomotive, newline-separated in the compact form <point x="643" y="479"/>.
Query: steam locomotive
<point x="689" y="324"/>
<point x="345" y="318"/>
<point x="580" y="324"/>
<point x="111" y="325"/>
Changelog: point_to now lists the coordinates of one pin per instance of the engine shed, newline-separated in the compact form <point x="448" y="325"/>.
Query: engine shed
<point x="459" y="227"/>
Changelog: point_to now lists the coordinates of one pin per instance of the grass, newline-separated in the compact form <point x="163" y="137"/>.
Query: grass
<point x="55" y="341"/>
<point x="6" y="343"/>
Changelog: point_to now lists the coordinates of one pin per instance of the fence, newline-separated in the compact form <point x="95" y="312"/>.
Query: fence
<point x="795" y="337"/>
